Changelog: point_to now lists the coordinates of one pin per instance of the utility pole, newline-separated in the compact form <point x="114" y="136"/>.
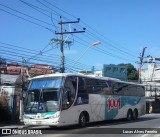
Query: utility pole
<point x="21" y="111"/>
<point x="62" y="42"/>
<point x="140" y="64"/>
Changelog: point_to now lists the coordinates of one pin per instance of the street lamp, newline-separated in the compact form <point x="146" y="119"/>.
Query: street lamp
<point x="93" y="44"/>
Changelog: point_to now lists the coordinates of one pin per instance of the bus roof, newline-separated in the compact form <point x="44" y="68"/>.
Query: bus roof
<point x="72" y="74"/>
<point x="82" y="75"/>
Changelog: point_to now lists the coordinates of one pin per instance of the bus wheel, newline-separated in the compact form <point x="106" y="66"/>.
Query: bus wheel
<point x="135" y="114"/>
<point x="129" y="115"/>
<point x="82" y="120"/>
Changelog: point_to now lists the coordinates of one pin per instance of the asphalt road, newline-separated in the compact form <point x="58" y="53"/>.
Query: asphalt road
<point x="144" y="126"/>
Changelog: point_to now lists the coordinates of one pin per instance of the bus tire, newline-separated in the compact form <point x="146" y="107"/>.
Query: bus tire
<point x="129" y="115"/>
<point x="82" y="120"/>
<point x="135" y="114"/>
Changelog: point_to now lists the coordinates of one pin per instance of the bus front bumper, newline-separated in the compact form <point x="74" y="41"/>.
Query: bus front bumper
<point x="45" y="122"/>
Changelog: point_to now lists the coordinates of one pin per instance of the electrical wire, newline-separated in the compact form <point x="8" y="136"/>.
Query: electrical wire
<point x="131" y="52"/>
<point x="23" y="54"/>
<point x="91" y="34"/>
<point x="27" y="20"/>
<point x="26" y="15"/>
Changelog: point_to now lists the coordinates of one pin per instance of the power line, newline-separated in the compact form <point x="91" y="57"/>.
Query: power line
<point x="92" y="35"/>
<point x="19" y="61"/>
<point x="49" y="58"/>
<point x="36" y="8"/>
<point x="18" y="48"/>
<point x="60" y="10"/>
<point x="24" y="56"/>
<point x="26" y="15"/>
<point x="99" y="49"/>
<point x="106" y="46"/>
<point x="131" y="54"/>
<point x="27" y="20"/>
<point x="33" y="52"/>
<point x="56" y="13"/>
<point x="103" y="51"/>
<point x="98" y="37"/>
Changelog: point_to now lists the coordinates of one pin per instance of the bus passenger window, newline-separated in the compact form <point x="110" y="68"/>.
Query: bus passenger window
<point x="69" y="94"/>
<point x="82" y="96"/>
<point x="82" y="85"/>
<point x="107" y="91"/>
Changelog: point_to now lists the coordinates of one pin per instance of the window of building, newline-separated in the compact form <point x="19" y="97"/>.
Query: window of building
<point x="122" y="70"/>
<point x="115" y="69"/>
<point x="108" y="68"/>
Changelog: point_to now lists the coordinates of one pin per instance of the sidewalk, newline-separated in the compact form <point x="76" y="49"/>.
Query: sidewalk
<point x="11" y="124"/>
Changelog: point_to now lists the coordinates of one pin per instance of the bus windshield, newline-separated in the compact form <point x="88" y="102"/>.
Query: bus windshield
<point x="45" y="83"/>
<point x="43" y="95"/>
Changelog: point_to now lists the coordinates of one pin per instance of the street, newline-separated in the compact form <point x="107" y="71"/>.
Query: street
<point x="112" y="128"/>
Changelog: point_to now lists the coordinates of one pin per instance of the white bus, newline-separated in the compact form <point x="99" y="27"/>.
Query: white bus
<point x="69" y="99"/>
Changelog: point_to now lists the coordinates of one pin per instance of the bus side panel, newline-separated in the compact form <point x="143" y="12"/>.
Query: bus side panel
<point x="142" y="103"/>
<point x="71" y="115"/>
<point x="97" y="107"/>
<point x="112" y="106"/>
<point x="118" y="106"/>
<point x="103" y="107"/>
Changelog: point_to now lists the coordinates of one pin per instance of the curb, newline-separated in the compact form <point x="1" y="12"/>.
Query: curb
<point x="14" y="127"/>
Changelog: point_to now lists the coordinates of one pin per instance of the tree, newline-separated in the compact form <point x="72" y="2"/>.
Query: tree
<point x="132" y="73"/>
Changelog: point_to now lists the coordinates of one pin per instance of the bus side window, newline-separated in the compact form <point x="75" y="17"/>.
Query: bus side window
<point x="82" y="96"/>
<point x="140" y="91"/>
<point x="120" y="88"/>
<point x="69" y="93"/>
<point x="82" y="85"/>
<point x="105" y="88"/>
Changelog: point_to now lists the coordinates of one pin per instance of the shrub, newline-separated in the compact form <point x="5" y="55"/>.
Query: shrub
<point x="5" y="113"/>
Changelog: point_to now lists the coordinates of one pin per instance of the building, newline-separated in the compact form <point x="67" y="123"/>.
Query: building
<point x="150" y="77"/>
<point x="115" y="71"/>
<point x="13" y="69"/>
<point x="109" y="70"/>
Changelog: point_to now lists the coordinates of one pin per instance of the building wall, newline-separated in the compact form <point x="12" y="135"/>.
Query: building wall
<point x="151" y="73"/>
<point x="115" y="71"/>
<point x="7" y="79"/>
<point x="150" y="78"/>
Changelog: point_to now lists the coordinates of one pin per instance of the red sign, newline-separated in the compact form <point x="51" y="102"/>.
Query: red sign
<point x="113" y="103"/>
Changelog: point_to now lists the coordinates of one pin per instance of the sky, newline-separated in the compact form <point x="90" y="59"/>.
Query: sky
<point x="123" y="28"/>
